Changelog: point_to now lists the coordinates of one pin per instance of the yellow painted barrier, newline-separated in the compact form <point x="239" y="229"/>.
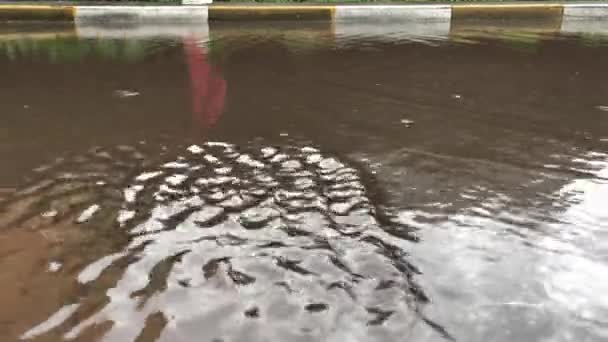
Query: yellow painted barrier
<point x="35" y="12"/>
<point x="544" y="17"/>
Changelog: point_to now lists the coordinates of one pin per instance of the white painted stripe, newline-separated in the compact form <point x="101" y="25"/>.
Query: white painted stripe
<point x="394" y="12"/>
<point x="585" y="5"/>
<point x="585" y="19"/>
<point x="141" y="13"/>
<point x="585" y="11"/>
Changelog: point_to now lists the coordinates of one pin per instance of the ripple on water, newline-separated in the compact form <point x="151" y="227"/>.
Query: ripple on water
<point x="228" y="243"/>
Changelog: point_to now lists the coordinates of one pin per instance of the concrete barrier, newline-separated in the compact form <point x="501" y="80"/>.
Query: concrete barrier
<point x="597" y="11"/>
<point x="270" y="12"/>
<point x="400" y="13"/>
<point x="141" y="13"/>
<point x="434" y="20"/>
<point x="36" y="13"/>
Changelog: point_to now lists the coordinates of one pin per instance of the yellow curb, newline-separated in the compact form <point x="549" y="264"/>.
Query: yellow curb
<point x="243" y="13"/>
<point x="507" y="11"/>
<point x="538" y="16"/>
<point x="36" y="12"/>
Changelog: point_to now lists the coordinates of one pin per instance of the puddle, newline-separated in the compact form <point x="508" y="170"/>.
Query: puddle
<point x="303" y="182"/>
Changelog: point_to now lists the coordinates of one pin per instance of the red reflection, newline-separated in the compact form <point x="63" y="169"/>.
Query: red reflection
<point x="208" y="86"/>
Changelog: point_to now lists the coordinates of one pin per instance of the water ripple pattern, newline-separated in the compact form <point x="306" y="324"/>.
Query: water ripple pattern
<point x="239" y="244"/>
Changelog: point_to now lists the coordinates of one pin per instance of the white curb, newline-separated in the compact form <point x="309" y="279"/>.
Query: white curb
<point x="394" y="12"/>
<point x="141" y="13"/>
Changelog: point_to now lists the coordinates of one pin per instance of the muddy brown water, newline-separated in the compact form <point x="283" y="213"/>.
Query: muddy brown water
<point x="279" y="183"/>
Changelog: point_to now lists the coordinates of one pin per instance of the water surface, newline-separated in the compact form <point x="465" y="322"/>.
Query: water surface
<point x="273" y="182"/>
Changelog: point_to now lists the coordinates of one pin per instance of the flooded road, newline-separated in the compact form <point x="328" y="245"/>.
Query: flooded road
<point x="276" y="181"/>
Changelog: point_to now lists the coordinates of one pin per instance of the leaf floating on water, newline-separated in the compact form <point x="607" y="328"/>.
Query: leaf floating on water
<point x="88" y="213"/>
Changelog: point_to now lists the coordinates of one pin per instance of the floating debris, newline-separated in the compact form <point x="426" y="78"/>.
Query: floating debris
<point x="125" y="93"/>
<point x="602" y="108"/>
<point x="407" y="123"/>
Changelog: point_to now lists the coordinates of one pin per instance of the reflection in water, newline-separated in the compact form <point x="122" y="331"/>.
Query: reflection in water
<point x="527" y="271"/>
<point x="268" y="243"/>
<point x="69" y="49"/>
<point x="208" y="87"/>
